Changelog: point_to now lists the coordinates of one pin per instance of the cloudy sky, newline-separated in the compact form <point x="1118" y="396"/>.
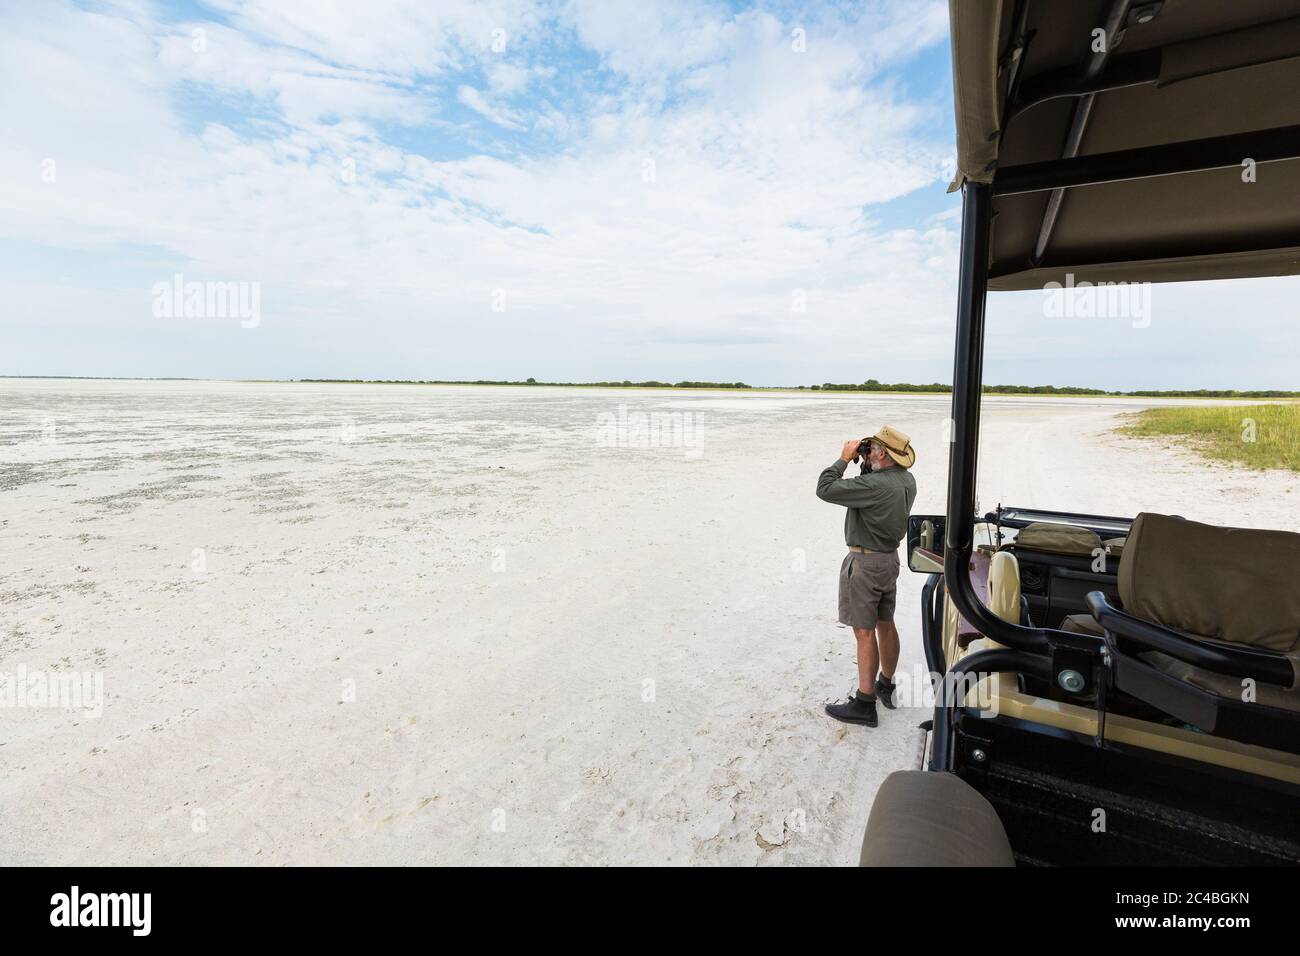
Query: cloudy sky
<point x="577" y="189"/>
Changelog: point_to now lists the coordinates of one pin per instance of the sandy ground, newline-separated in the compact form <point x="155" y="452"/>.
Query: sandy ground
<point x="403" y="624"/>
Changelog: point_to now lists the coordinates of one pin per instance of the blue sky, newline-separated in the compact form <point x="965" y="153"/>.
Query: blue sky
<point x="578" y="189"/>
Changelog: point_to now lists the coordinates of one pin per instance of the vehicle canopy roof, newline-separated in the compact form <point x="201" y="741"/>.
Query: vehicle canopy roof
<point x="1096" y="93"/>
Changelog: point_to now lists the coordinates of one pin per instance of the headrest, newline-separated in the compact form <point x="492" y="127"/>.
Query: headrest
<point x="1230" y="584"/>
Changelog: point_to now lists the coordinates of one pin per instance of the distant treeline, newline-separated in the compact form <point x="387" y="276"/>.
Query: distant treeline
<point x="1217" y="393"/>
<point x="870" y="385"/>
<point x="530" y="381"/>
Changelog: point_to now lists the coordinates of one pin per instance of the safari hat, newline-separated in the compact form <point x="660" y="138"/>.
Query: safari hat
<point x="898" y="446"/>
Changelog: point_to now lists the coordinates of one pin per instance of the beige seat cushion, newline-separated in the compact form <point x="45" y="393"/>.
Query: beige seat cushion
<point x="1231" y="584"/>
<point x="1082" y="624"/>
<point x="924" y="818"/>
<point x="1058" y="538"/>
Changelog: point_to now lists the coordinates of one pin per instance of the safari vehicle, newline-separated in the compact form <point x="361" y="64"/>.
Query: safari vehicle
<point x="1138" y="676"/>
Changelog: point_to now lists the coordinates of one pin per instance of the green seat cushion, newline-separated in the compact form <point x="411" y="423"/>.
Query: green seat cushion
<point x="1058" y="538"/>
<point x="1240" y="585"/>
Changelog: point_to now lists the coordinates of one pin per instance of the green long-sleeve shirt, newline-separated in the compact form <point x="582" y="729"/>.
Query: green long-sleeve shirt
<point x="878" y="504"/>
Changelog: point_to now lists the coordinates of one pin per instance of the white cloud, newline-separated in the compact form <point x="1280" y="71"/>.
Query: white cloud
<point x="508" y="78"/>
<point x="405" y="37"/>
<point x="655" y="217"/>
<point x="649" y="40"/>
<point x="497" y="114"/>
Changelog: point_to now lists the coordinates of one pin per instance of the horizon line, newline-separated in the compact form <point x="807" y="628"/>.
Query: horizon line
<point x="870" y="386"/>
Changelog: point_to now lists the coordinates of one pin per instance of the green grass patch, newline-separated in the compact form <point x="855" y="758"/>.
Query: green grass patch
<point x="1257" y="436"/>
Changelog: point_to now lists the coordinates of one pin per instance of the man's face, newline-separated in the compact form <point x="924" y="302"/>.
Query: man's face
<point x="876" y="456"/>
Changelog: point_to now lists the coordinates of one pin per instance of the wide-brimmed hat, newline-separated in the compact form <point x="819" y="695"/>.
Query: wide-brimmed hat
<point x="896" y="444"/>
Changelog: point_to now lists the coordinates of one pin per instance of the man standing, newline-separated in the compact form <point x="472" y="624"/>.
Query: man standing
<point x="878" y="502"/>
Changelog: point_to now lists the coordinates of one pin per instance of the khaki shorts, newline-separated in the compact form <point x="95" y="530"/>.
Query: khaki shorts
<point x="868" y="588"/>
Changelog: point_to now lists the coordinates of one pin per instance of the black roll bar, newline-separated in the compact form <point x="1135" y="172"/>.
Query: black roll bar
<point x="959" y="530"/>
<point x="1191" y="156"/>
<point x="1266" y="666"/>
<point x="932" y="627"/>
<point x="953" y="686"/>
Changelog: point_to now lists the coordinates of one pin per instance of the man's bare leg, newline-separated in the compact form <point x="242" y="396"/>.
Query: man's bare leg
<point x="869" y="658"/>
<point x="887" y="635"/>
<point x="860" y="708"/>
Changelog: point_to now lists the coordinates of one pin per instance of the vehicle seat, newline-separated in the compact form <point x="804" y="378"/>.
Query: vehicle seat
<point x="933" y="818"/>
<point x="995" y="576"/>
<point x="1004" y="587"/>
<point x="1227" y="584"/>
<point x="1231" y="586"/>
<point x="1223" y="585"/>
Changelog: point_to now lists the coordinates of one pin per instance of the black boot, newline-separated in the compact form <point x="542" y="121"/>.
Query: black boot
<point x="885" y="690"/>
<point x="860" y="708"/>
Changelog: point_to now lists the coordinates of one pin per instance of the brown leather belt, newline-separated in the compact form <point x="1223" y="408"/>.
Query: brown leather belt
<point x="854" y="547"/>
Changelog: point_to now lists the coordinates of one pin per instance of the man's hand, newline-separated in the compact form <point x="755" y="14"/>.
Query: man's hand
<point x="850" y="452"/>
